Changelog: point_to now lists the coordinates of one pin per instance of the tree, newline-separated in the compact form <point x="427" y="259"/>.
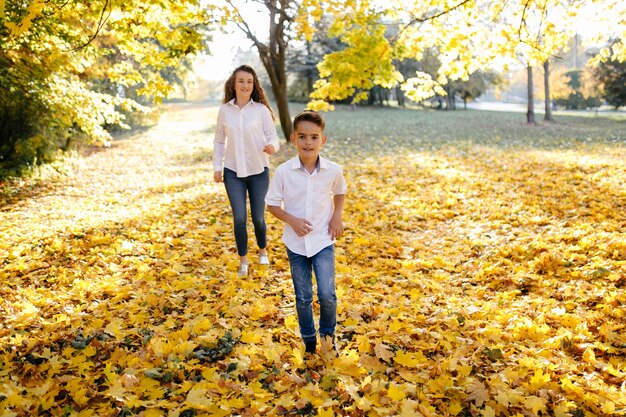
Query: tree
<point x="282" y="17"/>
<point x="611" y="75"/>
<point x="468" y="35"/>
<point x="70" y="70"/>
<point x="530" y="110"/>
<point x="546" y="83"/>
<point x="303" y="58"/>
<point x="477" y="83"/>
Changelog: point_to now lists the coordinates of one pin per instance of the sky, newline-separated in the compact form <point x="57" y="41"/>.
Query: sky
<point x="224" y="46"/>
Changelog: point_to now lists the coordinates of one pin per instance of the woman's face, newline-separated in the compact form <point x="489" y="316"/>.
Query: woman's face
<point x="244" y="84"/>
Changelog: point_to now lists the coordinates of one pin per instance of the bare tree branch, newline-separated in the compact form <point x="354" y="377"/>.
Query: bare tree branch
<point x="101" y="23"/>
<point x="57" y="10"/>
<point x="423" y="19"/>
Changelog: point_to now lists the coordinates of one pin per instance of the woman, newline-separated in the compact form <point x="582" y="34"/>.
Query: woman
<point x="244" y="137"/>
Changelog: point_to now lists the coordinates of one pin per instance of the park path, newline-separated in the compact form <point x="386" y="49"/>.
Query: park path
<point x="113" y="184"/>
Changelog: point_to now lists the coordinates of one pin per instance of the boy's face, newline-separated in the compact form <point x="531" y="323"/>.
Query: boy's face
<point x="309" y="139"/>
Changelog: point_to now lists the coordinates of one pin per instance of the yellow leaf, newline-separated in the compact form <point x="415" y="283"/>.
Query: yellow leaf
<point x="464" y="370"/>
<point x="455" y="407"/>
<point x="196" y="397"/>
<point x="608" y="407"/>
<point x="363" y="344"/>
<point x="395" y="393"/>
<point x="89" y="351"/>
<point x="383" y="352"/>
<point x="298" y="357"/>
<point x="291" y="322"/>
<point x="410" y="360"/>
<point x="80" y="397"/>
<point x="323" y="412"/>
<point x="562" y="410"/>
<point x="535" y="404"/>
<point x="114" y="328"/>
<point x="200" y="325"/>
<point x="116" y="391"/>
<point x="488" y="412"/>
<point x="408" y="408"/>
<point x="589" y="356"/>
<point x="539" y="380"/>
<point x="251" y="336"/>
<point x="478" y="393"/>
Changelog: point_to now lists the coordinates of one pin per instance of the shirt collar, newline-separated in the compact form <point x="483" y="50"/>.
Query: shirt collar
<point x="297" y="164"/>
<point x="232" y="102"/>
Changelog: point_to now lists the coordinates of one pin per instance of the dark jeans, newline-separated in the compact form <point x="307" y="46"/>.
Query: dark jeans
<point x="323" y="264"/>
<point x="256" y="187"/>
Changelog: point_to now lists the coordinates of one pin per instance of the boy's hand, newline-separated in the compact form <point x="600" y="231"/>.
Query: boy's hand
<point x="335" y="227"/>
<point x="302" y="227"/>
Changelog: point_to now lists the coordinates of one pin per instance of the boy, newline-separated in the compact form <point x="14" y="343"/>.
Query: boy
<point x="307" y="193"/>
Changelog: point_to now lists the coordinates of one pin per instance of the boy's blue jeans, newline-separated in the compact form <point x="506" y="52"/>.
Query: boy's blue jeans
<point x="256" y="187"/>
<point x="323" y="264"/>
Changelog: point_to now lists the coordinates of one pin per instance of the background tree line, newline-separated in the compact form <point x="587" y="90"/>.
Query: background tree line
<point x="76" y="71"/>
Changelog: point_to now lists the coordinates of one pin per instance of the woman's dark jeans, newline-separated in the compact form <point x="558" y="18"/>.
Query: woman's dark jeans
<point x="256" y="187"/>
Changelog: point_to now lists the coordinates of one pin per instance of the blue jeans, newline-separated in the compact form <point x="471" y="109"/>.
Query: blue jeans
<point x="256" y="187"/>
<point x="323" y="264"/>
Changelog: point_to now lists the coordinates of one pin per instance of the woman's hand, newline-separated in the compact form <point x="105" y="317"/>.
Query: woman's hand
<point x="269" y="149"/>
<point x="217" y="176"/>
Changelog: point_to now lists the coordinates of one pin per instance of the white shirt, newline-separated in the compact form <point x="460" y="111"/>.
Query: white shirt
<point x="308" y="196"/>
<point x="248" y="130"/>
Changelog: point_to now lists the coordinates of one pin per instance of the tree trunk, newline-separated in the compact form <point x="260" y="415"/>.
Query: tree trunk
<point x="275" y="67"/>
<point x="450" y="102"/>
<point x="530" y="113"/>
<point x="546" y="83"/>
<point x="400" y="96"/>
<point x="273" y="56"/>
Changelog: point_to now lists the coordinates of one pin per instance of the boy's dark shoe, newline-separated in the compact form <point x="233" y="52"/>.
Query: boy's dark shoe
<point x="329" y="345"/>
<point x="310" y="346"/>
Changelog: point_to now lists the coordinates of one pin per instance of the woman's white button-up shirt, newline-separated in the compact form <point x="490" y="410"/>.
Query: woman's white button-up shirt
<point x="241" y="135"/>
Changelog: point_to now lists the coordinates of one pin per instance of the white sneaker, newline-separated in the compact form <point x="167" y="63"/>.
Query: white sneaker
<point x="242" y="271"/>
<point x="264" y="260"/>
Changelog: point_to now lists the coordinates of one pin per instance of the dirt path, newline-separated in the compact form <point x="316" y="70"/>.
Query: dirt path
<point x="140" y="171"/>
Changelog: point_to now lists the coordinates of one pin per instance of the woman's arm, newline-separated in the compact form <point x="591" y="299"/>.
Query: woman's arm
<point x="269" y="130"/>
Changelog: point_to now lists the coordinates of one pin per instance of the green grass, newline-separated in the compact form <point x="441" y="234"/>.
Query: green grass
<point x="372" y="131"/>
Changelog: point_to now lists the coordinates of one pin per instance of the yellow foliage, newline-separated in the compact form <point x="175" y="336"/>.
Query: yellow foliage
<point x="119" y="290"/>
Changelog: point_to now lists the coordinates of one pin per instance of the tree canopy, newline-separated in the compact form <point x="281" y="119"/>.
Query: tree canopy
<point x="74" y="69"/>
<point x="469" y="35"/>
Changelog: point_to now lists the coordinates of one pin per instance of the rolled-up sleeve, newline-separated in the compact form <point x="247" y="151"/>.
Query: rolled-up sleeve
<point x="339" y="186"/>
<point x="219" y="143"/>
<point x="275" y="193"/>
<point x="269" y="129"/>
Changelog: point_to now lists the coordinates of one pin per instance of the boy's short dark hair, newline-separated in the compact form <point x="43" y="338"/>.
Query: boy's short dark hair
<point x="309" y="116"/>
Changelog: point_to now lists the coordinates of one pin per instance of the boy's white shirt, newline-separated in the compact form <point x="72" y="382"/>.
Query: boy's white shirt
<point x="308" y="196"/>
<point x="248" y="130"/>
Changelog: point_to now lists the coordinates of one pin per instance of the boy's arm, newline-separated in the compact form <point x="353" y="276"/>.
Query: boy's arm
<point x="335" y="227"/>
<point x="302" y="227"/>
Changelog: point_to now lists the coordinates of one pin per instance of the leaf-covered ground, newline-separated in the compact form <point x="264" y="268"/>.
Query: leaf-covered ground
<point x="482" y="273"/>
